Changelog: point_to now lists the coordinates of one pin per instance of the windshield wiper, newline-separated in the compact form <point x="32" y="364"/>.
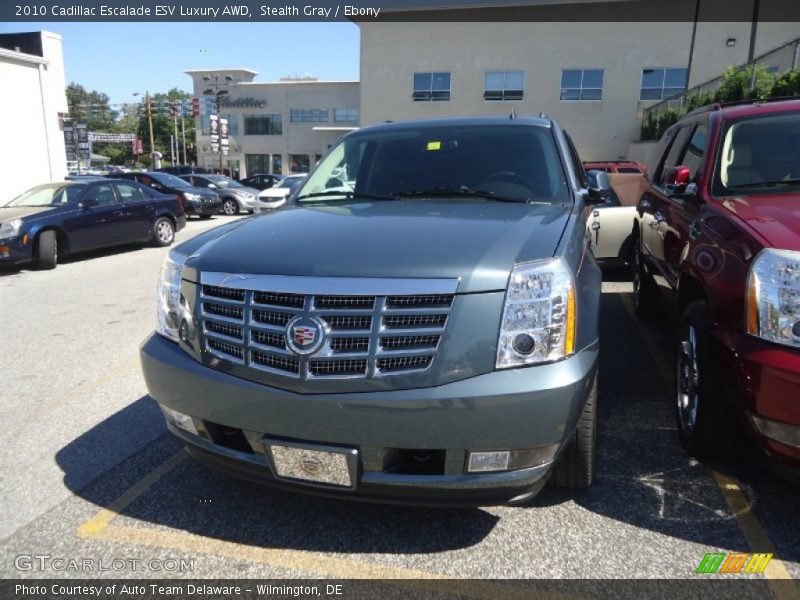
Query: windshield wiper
<point x="759" y="184"/>
<point x="346" y="196"/>
<point x="461" y="192"/>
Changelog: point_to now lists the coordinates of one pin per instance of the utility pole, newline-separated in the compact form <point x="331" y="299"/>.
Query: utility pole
<point x="150" y="120"/>
<point x="183" y="136"/>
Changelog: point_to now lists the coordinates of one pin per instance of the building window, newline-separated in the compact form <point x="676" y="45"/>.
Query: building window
<point x="256" y="163"/>
<point x="345" y="115"/>
<point x="277" y="164"/>
<point x="582" y="84"/>
<point x="308" y="115"/>
<point x="298" y="163"/>
<point x="263" y="125"/>
<point x="658" y="84"/>
<point x="205" y="125"/>
<point x="431" y="86"/>
<point x="503" y="85"/>
<point x="233" y="124"/>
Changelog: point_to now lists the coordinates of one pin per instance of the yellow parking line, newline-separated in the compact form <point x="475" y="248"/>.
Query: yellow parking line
<point x="103" y="518"/>
<point x="77" y="393"/>
<point x="757" y="538"/>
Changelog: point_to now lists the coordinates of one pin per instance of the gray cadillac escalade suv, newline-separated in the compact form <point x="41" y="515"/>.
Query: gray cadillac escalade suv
<point x="421" y="325"/>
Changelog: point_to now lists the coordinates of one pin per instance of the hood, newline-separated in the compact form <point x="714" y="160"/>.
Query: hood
<point x="476" y="242"/>
<point x="776" y="217"/>
<point x="274" y="192"/>
<point x="11" y="213"/>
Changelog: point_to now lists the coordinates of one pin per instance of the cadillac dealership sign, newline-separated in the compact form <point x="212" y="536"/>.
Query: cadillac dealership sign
<point x="225" y="102"/>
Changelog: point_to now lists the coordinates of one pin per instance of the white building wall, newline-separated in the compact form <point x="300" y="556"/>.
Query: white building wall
<point x="32" y="151"/>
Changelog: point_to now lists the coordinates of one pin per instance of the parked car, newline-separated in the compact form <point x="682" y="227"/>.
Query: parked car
<point x="610" y="224"/>
<point x="182" y="170"/>
<point x="261" y="181"/>
<point x="283" y="192"/>
<point x="616" y="166"/>
<point x="718" y="240"/>
<point x="235" y="197"/>
<point x="424" y="332"/>
<point x="197" y="201"/>
<point x="67" y="217"/>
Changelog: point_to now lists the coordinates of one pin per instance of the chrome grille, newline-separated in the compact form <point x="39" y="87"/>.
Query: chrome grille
<point x="367" y="335"/>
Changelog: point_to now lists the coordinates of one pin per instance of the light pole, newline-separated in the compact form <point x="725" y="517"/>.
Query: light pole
<point x="217" y="93"/>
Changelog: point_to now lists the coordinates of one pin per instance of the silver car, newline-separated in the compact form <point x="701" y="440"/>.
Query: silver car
<point x="235" y="197"/>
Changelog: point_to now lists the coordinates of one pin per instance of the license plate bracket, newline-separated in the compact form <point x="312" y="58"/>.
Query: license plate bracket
<point x="313" y="464"/>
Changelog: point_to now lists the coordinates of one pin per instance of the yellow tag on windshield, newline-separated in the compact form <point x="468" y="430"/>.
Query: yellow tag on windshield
<point x="434" y="145"/>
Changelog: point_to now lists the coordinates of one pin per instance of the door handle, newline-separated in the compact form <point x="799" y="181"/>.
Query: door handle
<point x="659" y="217"/>
<point x="595" y="226"/>
<point x="644" y="203"/>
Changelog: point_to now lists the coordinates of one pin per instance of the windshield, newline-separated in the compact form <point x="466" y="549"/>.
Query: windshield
<point x="293" y="183"/>
<point x="51" y="194"/>
<point x="169" y="180"/>
<point x="510" y="161"/>
<point x="760" y="155"/>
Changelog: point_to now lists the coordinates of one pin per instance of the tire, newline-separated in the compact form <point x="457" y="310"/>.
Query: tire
<point x="644" y="298"/>
<point x="706" y="426"/>
<point x="574" y="469"/>
<point x="206" y="217"/>
<point x="230" y="207"/>
<point x="47" y="250"/>
<point x="163" y="232"/>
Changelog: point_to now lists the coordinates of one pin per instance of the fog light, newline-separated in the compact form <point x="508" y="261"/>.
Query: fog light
<point x="179" y="419"/>
<point x="509" y="460"/>
<point x="483" y="462"/>
<point x="780" y="432"/>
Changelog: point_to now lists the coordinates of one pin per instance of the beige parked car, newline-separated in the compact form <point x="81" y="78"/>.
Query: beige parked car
<point x="611" y="224"/>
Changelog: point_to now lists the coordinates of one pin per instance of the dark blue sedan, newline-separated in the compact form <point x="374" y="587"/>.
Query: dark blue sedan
<point x="73" y="216"/>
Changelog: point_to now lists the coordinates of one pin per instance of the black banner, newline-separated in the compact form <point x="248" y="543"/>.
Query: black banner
<point x="401" y="10"/>
<point x="400" y="589"/>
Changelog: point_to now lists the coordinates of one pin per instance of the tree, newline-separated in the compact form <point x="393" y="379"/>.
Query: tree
<point x="91" y="108"/>
<point x="164" y="125"/>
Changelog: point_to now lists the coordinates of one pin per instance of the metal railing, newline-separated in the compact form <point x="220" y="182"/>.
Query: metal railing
<point x="778" y="61"/>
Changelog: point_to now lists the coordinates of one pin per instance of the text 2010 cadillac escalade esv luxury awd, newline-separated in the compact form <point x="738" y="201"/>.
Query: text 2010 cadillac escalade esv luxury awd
<point x="421" y="325"/>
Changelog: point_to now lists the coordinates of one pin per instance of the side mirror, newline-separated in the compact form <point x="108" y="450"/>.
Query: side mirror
<point x="598" y="186"/>
<point x="91" y="202"/>
<point x="676" y="179"/>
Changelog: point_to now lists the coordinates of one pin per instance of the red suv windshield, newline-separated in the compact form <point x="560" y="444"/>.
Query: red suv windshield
<point x="760" y="154"/>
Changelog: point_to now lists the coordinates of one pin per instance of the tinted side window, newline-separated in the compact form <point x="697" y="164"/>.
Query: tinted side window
<point x="658" y="152"/>
<point x="695" y="151"/>
<point x="103" y="194"/>
<point x="130" y="192"/>
<point x="674" y="154"/>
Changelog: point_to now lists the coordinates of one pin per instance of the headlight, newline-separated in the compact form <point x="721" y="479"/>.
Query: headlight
<point x="170" y="310"/>
<point x="10" y="229"/>
<point x="539" y="314"/>
<point x="190" y="196"/>
<point x="773" y="297"/>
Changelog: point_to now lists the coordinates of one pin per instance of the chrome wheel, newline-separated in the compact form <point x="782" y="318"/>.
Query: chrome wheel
<point x="688" y="388"/>
<point x="165" y="232"/>
<point x="229" y="207"/>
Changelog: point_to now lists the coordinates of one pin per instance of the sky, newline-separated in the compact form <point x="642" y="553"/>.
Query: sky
<point x="122" y="58"/>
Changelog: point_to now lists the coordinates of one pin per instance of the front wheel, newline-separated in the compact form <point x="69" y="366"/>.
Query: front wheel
<point x="575" y="467"/>
<point x="163" y="232"/>
<point x="706" y="426"/>
<point x="230" y="207"/>
<point x="47" y="250"/>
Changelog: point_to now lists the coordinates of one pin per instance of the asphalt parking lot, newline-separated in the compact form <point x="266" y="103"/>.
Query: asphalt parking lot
<point x="88" y="470"/>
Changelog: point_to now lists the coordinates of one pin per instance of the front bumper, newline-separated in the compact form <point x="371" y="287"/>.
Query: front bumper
<point x="766" y="385"/>
<point x="13" y="250"/>
<point x="500" y="410"/>
<point x="211" y="207"/>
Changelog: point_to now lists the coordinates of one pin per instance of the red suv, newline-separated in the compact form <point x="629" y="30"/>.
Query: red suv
<point x="718" y="239"/>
